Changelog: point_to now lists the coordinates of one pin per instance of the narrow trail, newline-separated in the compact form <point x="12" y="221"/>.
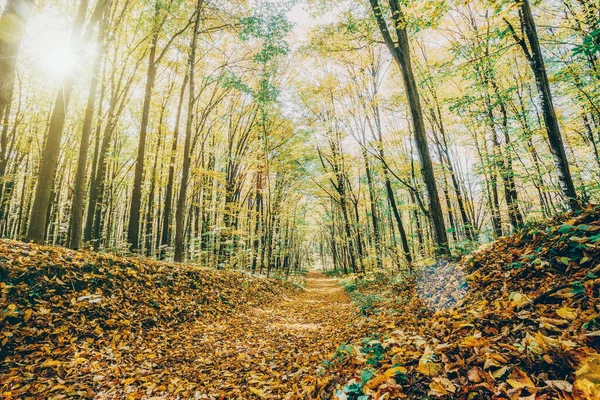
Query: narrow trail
<point x="271" y="352"/>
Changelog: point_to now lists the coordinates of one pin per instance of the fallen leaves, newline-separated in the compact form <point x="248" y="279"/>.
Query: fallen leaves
<point x="427" y="365"/>
<point x="520" y="380"/>
<point x="517" y="319"/>
<point x="441" y="387"/>
<point x="588" y="376"/>
<point x="78" y="324"/>
<point x="510" y="321"/>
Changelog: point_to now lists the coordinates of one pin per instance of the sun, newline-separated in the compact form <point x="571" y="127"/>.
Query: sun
<point x="48" y="47"/>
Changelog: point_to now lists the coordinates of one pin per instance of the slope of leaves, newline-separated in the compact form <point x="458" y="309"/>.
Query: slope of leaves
<point x="83" y="324"/>
<point x="517" y="319"/>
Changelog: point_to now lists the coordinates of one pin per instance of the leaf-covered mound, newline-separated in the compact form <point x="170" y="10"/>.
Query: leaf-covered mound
<point x="517" y="319"/>
<point x="70" y="320"/>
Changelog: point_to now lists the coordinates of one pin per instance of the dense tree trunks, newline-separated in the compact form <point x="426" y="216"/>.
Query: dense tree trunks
<point x="533" y="52"/>
<point x="231" y="171"/>
<point x="378" y="133"/>
<point x="8" y="145"/>
<point x="374" y="213"/>
<point x="154" y="59"/>
<point x="12" y="27"/>
<point x="150" y="217"/>
<point x="133" y="229"/>
<point x="341" y="189"/>
<point x="401" y="54"/>
<point x="51" y="152"/>
<point x="491" y="189"/>
<point x="510" y="188"/>
<point x="445" y="156"/>
<point x="97" y="192"/>
<point x="256" y="243"/>
<point x="181" y="202"/>
<point x="166" y="227"/>
<point x="77" y="206"/>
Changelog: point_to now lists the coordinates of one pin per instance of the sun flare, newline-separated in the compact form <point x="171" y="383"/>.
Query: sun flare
<point x="48" y="46"/>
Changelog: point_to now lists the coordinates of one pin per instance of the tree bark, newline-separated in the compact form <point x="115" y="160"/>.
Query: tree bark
<point x="133" y="230"/>
<point x="180" y="212"/>
<point x="12" y="27"/>
<point x="166" y="228"/>
<point x="533" y="53"/>
<point x="51" y="152"/>
<point x="374" y="213"/>
<point x="401" y="54"/>
<point x="77" y="207"/>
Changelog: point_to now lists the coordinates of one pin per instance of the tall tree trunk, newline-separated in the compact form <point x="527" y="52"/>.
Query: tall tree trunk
<point x="91" y="204"/>
<point x="77" y="207"/>
<point x="374" y="213"/>
<point x="180" y="212"/>
<point x="133" y="230"/>
<point x="152" y="193"/>
<point x="533" y="53"/>
<point x="401" y="54"/>
<point x="97" y="191"/>
<point x="166" y="228"/>
<point x="51" y="152"/>
<point x="445" y="154"/>
<point x="388" y="187"/>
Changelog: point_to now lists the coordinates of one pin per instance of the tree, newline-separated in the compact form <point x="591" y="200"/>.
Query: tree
<point x="154" y="59"/>
<point x="400" y="51"/>
<point x="48" y="163"/>
<point x="181" y="210"/>
<point x="77" y="207"/>
<point x="12" y="27"/>
<point x="530" y="44"/>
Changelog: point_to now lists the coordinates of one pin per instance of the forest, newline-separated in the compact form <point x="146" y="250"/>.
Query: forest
<point x="291" y="199"/>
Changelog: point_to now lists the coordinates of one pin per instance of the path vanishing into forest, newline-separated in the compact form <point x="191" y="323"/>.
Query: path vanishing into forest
<point x="271" y="352"/>
<point x="274" y="351"/>
<point x="81" y="324"/>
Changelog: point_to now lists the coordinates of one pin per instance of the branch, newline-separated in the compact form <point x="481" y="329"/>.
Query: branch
<point x="519" y="40"/>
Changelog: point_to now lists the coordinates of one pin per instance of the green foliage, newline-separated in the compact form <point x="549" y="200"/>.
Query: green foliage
<point x="269" y="24"/>
<point x="590" y="45"/>
<point x="374" y="351"/>
<point x="367" y="375"/>
<point x="231" y="80"/>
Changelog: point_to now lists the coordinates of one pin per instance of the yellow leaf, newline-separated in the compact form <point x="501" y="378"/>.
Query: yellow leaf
<point x="519" y="299"/>
<point x="28" y="313"/>
<point x="588" y="377"/>
<point x="50" y="363"/>
<point x="567" y="313"/>
<point x="499" y="372"/>
<point x="395" y="371"/>
<point x="561" y="385"/>
<point x="258" y="392"/>
<point x="427" y="366"/>
<point x="58" y="387"/>
<point x="441" y="387"/>
<point x="376" y="382"/>
<point x="519" y="380"/>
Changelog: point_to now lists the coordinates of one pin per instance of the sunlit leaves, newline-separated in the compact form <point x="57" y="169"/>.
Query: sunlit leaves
<point x="270" y="25"/>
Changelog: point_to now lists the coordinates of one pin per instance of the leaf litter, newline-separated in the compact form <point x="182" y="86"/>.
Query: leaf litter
<point x="517" y="319"/>
<point x="83" y="325"/>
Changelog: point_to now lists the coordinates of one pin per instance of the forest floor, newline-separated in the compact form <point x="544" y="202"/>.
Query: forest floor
<point x="275" y="351"/>
<point x="517" y="319"/>
<point x="77" y="324"/>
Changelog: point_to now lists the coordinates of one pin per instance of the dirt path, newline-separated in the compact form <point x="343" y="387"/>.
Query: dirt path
<point x="271" y="352"/>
